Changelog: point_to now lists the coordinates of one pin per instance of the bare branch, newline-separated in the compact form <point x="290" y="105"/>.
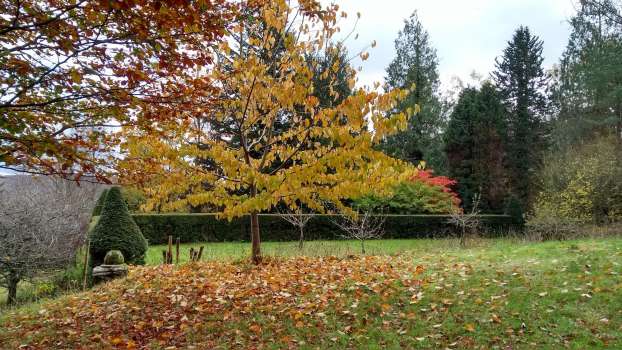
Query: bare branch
<point x="361" y="226"/>
<point x="298" y="219"/>
<point x="43" y="221"/>
<point x="467" y="223"/>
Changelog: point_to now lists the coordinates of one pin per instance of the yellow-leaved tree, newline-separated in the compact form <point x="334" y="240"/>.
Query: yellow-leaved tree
<point x="265" y="139"/>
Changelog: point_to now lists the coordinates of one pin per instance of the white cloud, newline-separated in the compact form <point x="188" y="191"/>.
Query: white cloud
<point x="467" y="34"/>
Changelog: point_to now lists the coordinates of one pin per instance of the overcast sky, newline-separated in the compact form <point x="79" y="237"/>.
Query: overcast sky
<point x="468" y="34"/>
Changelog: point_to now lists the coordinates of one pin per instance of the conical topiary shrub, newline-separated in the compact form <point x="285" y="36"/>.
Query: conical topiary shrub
<point x="116" y="230"/>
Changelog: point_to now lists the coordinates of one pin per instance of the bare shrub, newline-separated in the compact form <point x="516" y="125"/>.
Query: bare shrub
<point x="361" y="226"/>
<point x="546" y="228"/>
<point x="43" y="222"/>
<point x="545" y="225"/>
<point x="298" y="219"/>
<point x="467" y="223"/>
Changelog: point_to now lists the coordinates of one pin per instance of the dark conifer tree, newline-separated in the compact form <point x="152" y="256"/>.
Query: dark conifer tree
<point x="521" y="81"/>
<point x="416" y="63"/>
<point x="475" y="142"/>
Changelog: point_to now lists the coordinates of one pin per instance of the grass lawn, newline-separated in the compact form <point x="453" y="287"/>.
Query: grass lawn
<point x="231" y="251"/>
<point x="403" y="294"/>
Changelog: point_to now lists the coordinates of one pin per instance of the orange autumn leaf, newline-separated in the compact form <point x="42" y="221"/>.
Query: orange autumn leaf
<point x="255" y="328"/>
<point x="219" y="295"/>
<point x="110" y="60"/>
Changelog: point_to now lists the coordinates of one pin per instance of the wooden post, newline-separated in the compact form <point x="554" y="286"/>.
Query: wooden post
<point x="177" y="251"/>
<point x="86" y="263"/>
<point x="164" y="257"/>
<point x="170" y="250"/>
<point x="191" y="254"/>
<point x="200" y="253"/>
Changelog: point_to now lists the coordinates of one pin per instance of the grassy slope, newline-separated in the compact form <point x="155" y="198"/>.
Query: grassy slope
<point x="495" y="294"/>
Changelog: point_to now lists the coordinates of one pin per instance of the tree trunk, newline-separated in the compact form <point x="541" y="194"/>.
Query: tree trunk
<point x="255" y="241"/>
<point x="362" y="246"/>
<point x="12" y="288"/>
<point x="301" y="238"/>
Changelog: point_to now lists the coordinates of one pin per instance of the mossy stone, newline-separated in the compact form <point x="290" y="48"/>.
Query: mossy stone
<point x="114" y="257"/>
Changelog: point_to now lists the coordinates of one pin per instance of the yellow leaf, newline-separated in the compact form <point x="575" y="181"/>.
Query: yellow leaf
<point x="76" y="77"/>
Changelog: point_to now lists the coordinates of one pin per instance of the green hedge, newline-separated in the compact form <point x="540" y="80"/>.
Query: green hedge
<point x="207" y="228"/>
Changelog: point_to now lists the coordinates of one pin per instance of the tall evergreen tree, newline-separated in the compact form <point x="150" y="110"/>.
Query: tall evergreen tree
<point x="475" y="142"/>
<point x="416" y="63"/>
<point x="522" y="83"/>
<point x="460" y="144"/>
<point x="587" y="91"/>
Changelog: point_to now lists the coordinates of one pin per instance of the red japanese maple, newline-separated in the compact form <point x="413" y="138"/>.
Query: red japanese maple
<point x="446" y="184"/>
